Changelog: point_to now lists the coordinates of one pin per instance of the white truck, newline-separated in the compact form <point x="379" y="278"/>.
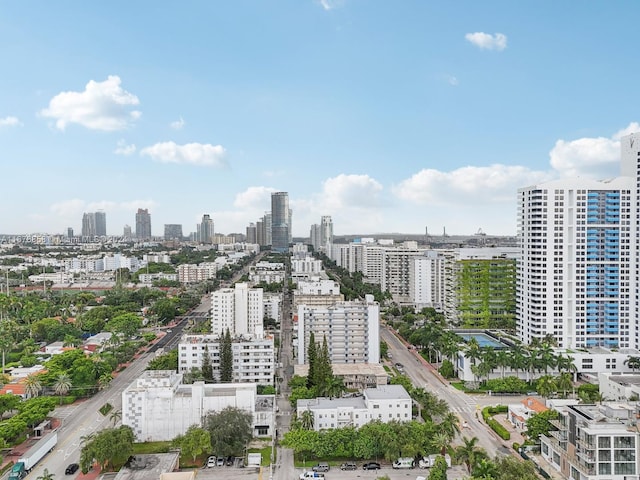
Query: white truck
<point x="33" y="456"/>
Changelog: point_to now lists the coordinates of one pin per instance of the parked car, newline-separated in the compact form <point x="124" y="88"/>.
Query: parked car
<point x="220" y="462"/>
<point x="211" y="462"/>
<point x="311" y="475"/>
<point x="321" y="467"/>
<point x="399" y="366"/>
<point x="348" y="466"/>
<point x="405" y="462"/>
<point x="230" y="461"/>
<point x="371" y="466"/>
<point x="71" y="469"/>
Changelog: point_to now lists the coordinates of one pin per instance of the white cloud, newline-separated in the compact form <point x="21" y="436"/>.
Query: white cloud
<point x="351" y="191"/>
<point x="123" y="148"/>
<point x="10" y="122"/>
<point x="593" y="157"/>
<point x="254" y="198"/>
<point x="201" y="154"/>
<point x="330" y="4"/>
<point x="67" y="208"/>
<point x="487" y="41"/>
<point x="452" y="80"/>
<point x="178" y="124"/>
<point x="493" y="184"/>
<point x="101" y="106"/>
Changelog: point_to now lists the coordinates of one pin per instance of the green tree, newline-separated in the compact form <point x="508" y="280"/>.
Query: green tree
<point x="439" y="469"/>
<point x="311" y="360"/>
<point x="509" y="468"/>
<point x="633" y="363"/>
<point x="546" y="386"/>
<point x="32" y="386"/>
<point x="230" y="430"/>
<point x="115" y="416"/>
<point x="540" y="424"/>
<point x="62" y="385"/>
<point x="306" y="420"/>
<point x="226" y="359"/>
<point x="469" y="453"/>
<point x="108" y="447"/>
<point x="46" y="475"/>
<point x="166" y="361"/>
<point x="207" y="368"/>
<point x="125" y="325"/>
<point x="194" y="442"/>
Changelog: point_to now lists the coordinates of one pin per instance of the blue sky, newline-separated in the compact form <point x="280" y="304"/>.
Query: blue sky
<point x="389" y="116"/>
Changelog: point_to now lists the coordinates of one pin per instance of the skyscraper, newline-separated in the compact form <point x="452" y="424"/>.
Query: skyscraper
<point x="280" y="215"/>
<point x="143" y="224"/>
<point x="101" y="224"/>
<point x="205" y="229"/>
<point x="252" y="234"/>
<point x="88" y="225"/>
<point x="172" y="231"/>
<point x="126" y="232"/>
<point x="326" y="232"/>
<point x="577" y="272"/>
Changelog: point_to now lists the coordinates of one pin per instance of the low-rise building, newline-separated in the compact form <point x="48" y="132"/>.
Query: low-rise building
<point x="356" y="376"/>
<point x="158" y="406"/>
<point x="594" y="442"/>
<point x="519" y="413"/>
<point x="385" y="403"/>
<point x="619" y="386"/>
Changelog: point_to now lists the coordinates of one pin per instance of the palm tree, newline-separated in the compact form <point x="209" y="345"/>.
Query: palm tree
<point x="307" y="420"/>
<point x="104" y="380"/>
<point x="115" y="416"/>
<point x="546" y="385"/>
<point x="32" y="386"/>
<point x="46" y="475"/>
<point x="469" y="453"/>
<point x="450" y="425"/>
<point x="633" y="363"/>
<point x="333" y="387"/>
<point x="62" y="385"/>
<point x="486" y="469"/>
<point x="564" y="383"/>
<point x="518" y="355"/>
<point x="441" y="442"/>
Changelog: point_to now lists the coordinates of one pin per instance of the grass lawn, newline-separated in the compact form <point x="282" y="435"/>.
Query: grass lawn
<point x="458" y="386"/>
<point x="151" y="447"/>
<point x="266" y="455"/>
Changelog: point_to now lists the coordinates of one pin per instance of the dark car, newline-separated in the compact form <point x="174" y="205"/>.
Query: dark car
<point x="348" y="466"/>
<point x="71" y="469"/>
<point x="321" y="467"/>
<point x="230" y="461"/>
<point x="371" y="466"/>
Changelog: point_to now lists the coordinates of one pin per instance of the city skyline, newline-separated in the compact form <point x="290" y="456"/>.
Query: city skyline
<point x="386" y="117"/>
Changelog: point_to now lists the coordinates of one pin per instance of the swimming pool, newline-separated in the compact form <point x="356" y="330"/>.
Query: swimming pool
<point x="483" y="340"/>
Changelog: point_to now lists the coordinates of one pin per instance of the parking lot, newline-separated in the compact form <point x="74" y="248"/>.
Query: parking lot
<point x="231" y="473"/>
<point x="454" y="472"/>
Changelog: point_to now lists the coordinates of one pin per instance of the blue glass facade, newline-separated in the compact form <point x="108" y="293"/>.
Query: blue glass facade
<point x="603" y="269"/>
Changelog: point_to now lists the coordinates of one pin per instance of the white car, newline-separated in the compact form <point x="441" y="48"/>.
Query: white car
<point x="211" y="462"/>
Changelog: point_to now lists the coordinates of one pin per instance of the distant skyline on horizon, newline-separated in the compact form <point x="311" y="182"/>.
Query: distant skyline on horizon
<point x="386" y="116"/>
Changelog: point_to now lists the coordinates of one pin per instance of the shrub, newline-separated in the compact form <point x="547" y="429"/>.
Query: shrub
<point x="506" y="385"/>
<point x="446" y="369"/>
<point x="499" y="429"/>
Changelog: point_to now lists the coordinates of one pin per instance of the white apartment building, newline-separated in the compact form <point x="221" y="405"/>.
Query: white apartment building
<point x="239" y="309"/>
<point x="253" y="360"/>
<point x="267" y="272"/>
<point x="190" y="273"/>
<point x="396" y="267"/>
<point x="117" y="261"/>
<point x="150" y="277"/>
<point x="316" y="286"/>
<point x="272" y="303"/>
<point x="427" y="280"/>
<point x="156" y="258"/>
<point x="384" y="403"/>
<point x="158" y="407"/>
<point x="593" y="442"/>
<point x="83" y="264"/>
<point x="352" y="330"/>
<point x="373" y="263"/>
<point x="305" y="267"/>
<point x="577" y="275"/>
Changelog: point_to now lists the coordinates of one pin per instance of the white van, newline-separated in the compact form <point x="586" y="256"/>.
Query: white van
<point x="404" y="462"/>
<point x="310" y="475"/>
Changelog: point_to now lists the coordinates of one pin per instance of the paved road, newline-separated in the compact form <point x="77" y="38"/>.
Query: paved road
<point x="83" y="418"/>
<point x="465" y="406"/>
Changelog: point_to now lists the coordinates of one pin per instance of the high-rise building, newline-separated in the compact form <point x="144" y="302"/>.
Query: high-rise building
<point x="69" y="232"/>
<point x="326" y="232"/>
<point x="143" y="224"/>
<point x="126" y="232"/>
<point x="252" y="234"/>
<point x="577" y="274"/>
<point x="172" y="231"/>
<point x="352" y="330"/>
<point x="101" y="224"/>
<point x="205" y="229"/>
<point x="260" y="235"/>
<point x="280" y="221"/>
<point x="88" y="225"/>
<point x="315" y="237"/>
<point x="239" y="309"/>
